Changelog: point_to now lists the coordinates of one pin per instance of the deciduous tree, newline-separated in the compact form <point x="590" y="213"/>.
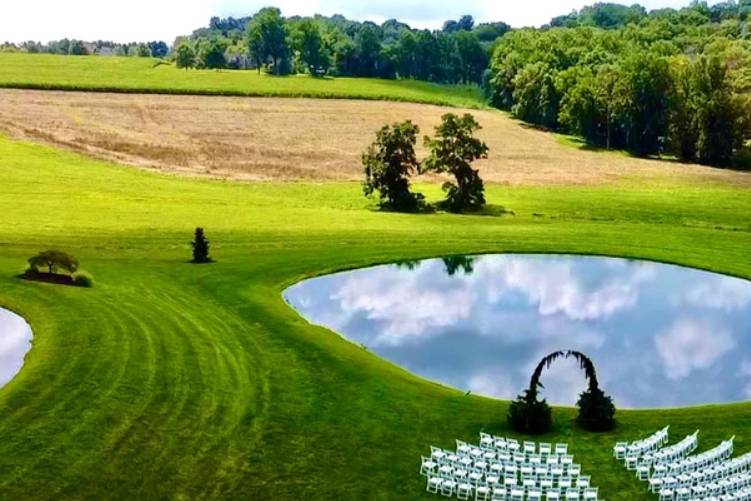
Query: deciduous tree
<point x="452" y="151"/>
<point x="267" y="38"/>
<point x="388" y="164"/>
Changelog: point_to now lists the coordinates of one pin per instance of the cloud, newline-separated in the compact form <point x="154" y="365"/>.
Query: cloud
<point x="690" y="345"/>
<point x="403" y="304"/>
<point x="558" y="289"/>
<point x="745" y="373"/>
<point x="492" y="384"/>
<point x="720" y="293"/>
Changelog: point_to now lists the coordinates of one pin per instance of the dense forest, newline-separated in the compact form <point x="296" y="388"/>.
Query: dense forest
<point x="663" y="82"/>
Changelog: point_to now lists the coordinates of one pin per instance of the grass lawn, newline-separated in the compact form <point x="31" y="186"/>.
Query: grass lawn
<point x="173" y="381"/>
<point x="142" y="75"/>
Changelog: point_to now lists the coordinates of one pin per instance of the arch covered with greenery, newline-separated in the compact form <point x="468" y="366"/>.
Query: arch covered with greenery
<point x="528" y="414"/>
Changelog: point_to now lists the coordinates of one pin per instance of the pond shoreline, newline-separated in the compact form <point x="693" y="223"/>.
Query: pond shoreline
<point x="16" y="338"/>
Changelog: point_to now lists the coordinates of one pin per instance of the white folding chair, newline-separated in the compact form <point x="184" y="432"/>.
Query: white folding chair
<point x="482" y="493"/>
<point x="553" y="495"/>
<point x="448" y="487"/>
<point x="486" y="441"/>
<point x="530" y="447"/>
<point x="591" y="494"/>
<point x="499" y="494"/>
<point x="428" y="467"/>
<point x="464" y="490"/>
<point x="434" y="485"/>
<point x="572" y="495"/>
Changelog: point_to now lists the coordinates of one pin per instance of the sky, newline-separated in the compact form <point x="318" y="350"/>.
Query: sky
<point x="141" y="20"/>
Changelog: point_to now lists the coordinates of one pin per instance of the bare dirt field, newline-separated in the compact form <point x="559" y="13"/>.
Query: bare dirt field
<point x="299" y="139"/>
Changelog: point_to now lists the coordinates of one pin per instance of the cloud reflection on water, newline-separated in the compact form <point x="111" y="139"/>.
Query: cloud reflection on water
<point x="660" y="335"/>
<point x="15" y="342"/>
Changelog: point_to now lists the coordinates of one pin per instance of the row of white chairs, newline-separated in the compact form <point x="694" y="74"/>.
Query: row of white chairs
<point x="731" y="488"/>
<point x="495" y="469"/>
<point x="641" y="447"/>
<point x="713" y="474"/>
<point x="466" y="455"/>
<point x="669" y="454"/>
<point x="483" y="492"/>
<point x="491" y="442"/>
<point x="691" y="464"/>
<point x="673" y="453"/>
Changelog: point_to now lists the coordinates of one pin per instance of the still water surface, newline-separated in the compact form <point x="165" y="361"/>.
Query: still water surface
<point x="15" y="342"/>
<point x="660" y="335"/>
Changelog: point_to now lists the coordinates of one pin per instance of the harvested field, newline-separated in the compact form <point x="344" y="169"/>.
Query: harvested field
<point x="299" y="139"/>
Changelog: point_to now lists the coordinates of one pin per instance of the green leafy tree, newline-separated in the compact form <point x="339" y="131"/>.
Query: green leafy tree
<point x="211" y="53"/>
<point x="52" y="261"/>
<point x="719" y="115"/>
<point x="267" y="38"/>
<point x="185" y="56"/>
<point x="473" y="57"/>
<point x="200" y="248"/>
<point x="142" y="50"/>
<point x="644" y="86"/>
<point x="368" y="49"/>
<point x="308" y="44"/>
<point x="452" y="151"/>
<point x="535" y="96"/>
<point x="77" y="48"/>
<point x="388" y="164"/>
<point x="158" y="49"/>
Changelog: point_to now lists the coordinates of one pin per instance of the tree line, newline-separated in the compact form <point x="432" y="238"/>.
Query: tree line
<point x="664" y="83"/>
<point x="319" y="45"/>
<point x="73" y="47"/>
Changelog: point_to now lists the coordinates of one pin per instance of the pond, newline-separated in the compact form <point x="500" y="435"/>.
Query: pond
<point x="15" y="342"/>
<point x="660" y="335"/>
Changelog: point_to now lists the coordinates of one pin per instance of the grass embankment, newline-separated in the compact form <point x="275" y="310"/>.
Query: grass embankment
<point x="145" y="75"/>
<point x="173" y="381"/>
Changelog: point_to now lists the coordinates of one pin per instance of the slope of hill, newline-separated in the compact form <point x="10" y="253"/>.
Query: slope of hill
<point x="145" y="75"/>
<point x="301" y="139"/>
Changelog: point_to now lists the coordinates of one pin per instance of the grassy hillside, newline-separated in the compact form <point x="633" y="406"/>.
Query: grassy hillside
<point x="144" y="75"/>
<point x="173" y="381"/>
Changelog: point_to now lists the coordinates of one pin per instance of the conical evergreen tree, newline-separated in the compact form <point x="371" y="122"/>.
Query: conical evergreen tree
<point x="200" y="247"/>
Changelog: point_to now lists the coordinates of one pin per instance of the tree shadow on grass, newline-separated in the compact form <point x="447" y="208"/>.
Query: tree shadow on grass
<point x="489" y="210"/>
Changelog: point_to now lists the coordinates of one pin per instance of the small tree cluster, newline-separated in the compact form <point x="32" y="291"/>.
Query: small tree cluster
<point x="391" y="160"/>
<point x="53" y="261"/>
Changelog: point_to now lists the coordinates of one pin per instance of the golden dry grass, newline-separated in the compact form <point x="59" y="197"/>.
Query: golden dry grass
<point x="300" y="139"/>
